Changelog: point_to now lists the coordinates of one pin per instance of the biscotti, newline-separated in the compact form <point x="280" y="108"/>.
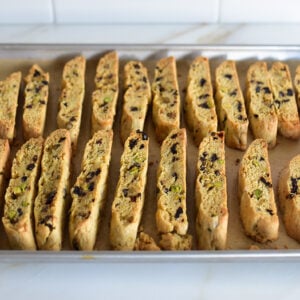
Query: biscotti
<point x="171" y="214"/>
<point x="174" y="241"/>
<point x="20" y="195"/>
<point x="230" y="106"/>
<point x="144" y="242"/>
<point x="9" y="93"/>
<point x="4" y="166"/>
<point x="284" y="100"/>
<point x="71" y="98"/>
<point x="297" y="85"/>
<point x="105" y="96"/>
<point x="211" y="194"/>
<point x="136" y="98"/>
<point x="89" y="191"/>
<point x="166" y="98"/>
<point x="260" y="104"/>
<point x="50" y="203"/>
<point x="289" y="196"/>
<point x="200" y="108"/>
<point x="35" y="103"/>
<point x="257" y="205"/>
<point x="130" y="192"/>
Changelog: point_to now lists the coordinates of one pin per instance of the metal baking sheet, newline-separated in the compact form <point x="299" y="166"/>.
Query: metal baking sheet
<point x="53" y="57"/>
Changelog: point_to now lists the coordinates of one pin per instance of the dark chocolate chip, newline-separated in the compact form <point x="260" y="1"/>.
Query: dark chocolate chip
<point x="174" y="136"/>
<point x="270" y="211"/>
<point x="43" y="102"/>
<point x="281" y="94"/>
<point x="45" y="82"/>
<point x="20" y="211"/>
<point x="23" y="178"/>
<point x="34" y="158"/>
<point x="133" y="108"/>
<point x="97" y="172"/>
<point x="265" y="182"/>
<point x="179" y="211"/>
<point x="228" y="76"/>
<point x="214" y="157"/>
<point x="217" y="172"/>
<point x="239" y="106"/>
<point x="61" y="139"/>
<point x="145" y="79"/>
<point x="290" y="92"/>
<point x="91" y="186"/>
<point x="28" y="106"/>
<point x="90" y="176"/>
<point x="233" y="93"/>
<point x="266" y="90"/>
<point x="36" y="73"/>
<point x="204" y="105"/>
<point x="257" y="89"/>
<point x="173" y="148"/>
<point x="144" y="135"/>
<point x="133" y="143"/>
<point x="255" y="116"/>
<point x="125" y="192"/>
<point x="30" y="167"/>
<point x="175" y="175"/>
<point x="204" y="96"/>
<point x="137" y="66"/>
<point x="202" y="82"/>
<point x="72" y="119"/>
<point x="294" y="189"/>
<point x="50" y="197"/>
<point x="78" y="191"/>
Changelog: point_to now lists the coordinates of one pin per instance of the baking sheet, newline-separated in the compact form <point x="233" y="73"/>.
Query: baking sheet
<point x="52" y="59"/>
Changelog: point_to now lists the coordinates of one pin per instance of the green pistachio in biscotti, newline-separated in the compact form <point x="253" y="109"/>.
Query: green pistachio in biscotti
<point x="20" y="195"/>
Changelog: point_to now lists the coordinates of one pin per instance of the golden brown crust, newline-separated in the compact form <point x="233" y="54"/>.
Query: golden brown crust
<point x="144" y="242"/>
<point x="174" y="241"/>
<point x="166" y="99"/>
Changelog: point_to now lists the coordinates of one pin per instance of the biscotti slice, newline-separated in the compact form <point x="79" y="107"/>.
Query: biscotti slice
<point x="71" y="98"/>
<point x="9" y="93"/>
<point x="211" y="194"/>
<point x="130" y="193"/>
<point x="174" y="241"/>
<point x="230" y="106"/>
<point x="50" y="203"/>
<point x="144" y="242"/>
<point x="200" y="108"/>
<point x="20" y="195"/>
<point x="171" y="185"/>
<point x="166" y="99"/>
<point x="89" y="191"/>
<point x="4" y="166"/>
<point x="289" y="197"/>
<point x="35" y="103"/>
<point x="297" y="85"/>
<point x="137" y="96"/>
<point x="105" y="96"/>
<point x="257" y="205"/>
<point x="284" y="100"/>
<point x="260" y="103"/>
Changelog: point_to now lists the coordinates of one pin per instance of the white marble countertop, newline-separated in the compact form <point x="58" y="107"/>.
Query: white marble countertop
<point x="268" y="34"/>
<point x="143" y="280"/>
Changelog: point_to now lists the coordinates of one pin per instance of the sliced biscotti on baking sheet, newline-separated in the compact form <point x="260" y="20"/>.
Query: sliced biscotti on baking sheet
<point x="35" y="103"/>
<point x="89" y="191"/>
<point x="50" y="203"/>
<point x="4" y="166"/>
<point x="130" y="192"/>
<point x="257" y="204"/>
<point x="230" y="106"/>
<point x="211" y="194"/>
<point x="289" y="197"/>
<point x="284" y="100"/>
<point x="9" y="93"/>
<point x="136" y="98"/>
<point x="105" y="96"/>
<point x="171" y="214"/>
<point x="20" y="195"/>
<point x="260" y="104"/>
<point x="166" y="98"/>
<point x="200" y="108"/>
<point x="72" y="96"/>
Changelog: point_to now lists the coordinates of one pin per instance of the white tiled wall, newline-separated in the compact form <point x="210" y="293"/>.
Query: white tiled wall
<point x="148" y="11"/>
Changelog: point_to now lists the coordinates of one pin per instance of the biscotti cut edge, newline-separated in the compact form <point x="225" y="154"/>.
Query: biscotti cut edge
<point x="137" y="97"/>
<point x="166" y="98"/>
<point x="20" y="195"/>
<point x="129" y="197"/>
<point x="9" y="93"/>
<point x="255" y="190"/>
<point x="211" y="194"/>
<point x="35" y="103"/>
<point x="200" y="109"/>
<point x="105" y="95"/>
<point x="51" y="201"/>
<point x="89" y="191"/>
